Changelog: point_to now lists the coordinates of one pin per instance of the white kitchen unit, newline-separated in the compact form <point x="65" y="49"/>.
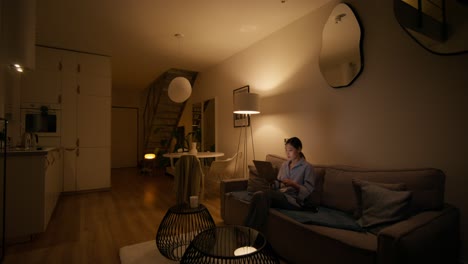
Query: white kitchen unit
<point x="69" y="139"/>
<point x="41" y="89"/>
<point x="86" y="117"/>
<point x="81" y="84"/>
<point x="33" y="186"/>
<point x="43" y="85"/>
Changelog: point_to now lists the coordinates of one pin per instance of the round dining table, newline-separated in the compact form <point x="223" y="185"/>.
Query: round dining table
<point x="200" y="155"/>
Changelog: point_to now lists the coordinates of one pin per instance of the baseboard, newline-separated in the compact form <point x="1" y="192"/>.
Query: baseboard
<point x="86" y="191"/>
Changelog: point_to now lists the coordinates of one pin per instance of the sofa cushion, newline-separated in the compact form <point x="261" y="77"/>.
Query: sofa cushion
<point x="316" y="236"/>
<point x="357" y="185"/>
<point x="426" y="185"/>
<point x="324" y="217"/>
<point x="276" y="160"/>
<point x="381" y="205"/>
<point x="242" y="195"/>
<point x="338" y="191"/>
<point x="315" y="198"/>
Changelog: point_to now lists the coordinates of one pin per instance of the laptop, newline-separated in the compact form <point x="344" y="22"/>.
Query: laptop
<point x="265" y="170"/>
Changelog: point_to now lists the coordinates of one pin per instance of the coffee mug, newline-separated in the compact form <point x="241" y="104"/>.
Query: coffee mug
<point x="193" y="201"/>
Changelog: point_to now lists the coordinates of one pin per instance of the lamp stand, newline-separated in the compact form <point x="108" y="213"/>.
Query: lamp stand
<point x="244" y="135"/>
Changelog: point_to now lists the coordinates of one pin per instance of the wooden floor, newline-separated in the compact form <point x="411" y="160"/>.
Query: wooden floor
<point x="91" y="227"/>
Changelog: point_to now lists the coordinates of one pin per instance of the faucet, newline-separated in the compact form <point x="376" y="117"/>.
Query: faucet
<point x="34" y="140"/>
<point x="30" y="140"/>
<point x="27" y="140"/>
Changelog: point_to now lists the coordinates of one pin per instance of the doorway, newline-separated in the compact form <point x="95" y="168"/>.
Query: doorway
<point x="124" y="146"/>
<point x="209" y="125"/>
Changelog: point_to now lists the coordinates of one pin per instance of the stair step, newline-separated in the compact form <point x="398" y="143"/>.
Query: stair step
<point x="163" y="112"/>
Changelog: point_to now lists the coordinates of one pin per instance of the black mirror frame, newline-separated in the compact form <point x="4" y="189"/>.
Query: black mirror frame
<point x="395" y="8"/>
<point x="361" y="49"/>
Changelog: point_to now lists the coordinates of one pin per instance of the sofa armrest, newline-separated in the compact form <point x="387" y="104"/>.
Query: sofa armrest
<point x="231" y="185"/>
<point x="427" y="237"/>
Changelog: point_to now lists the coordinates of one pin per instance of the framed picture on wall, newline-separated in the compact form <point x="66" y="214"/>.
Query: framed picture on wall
<point x="241" y="120"/>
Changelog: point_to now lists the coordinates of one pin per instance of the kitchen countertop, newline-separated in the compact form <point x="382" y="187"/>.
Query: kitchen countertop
<point x="35" y="151"/>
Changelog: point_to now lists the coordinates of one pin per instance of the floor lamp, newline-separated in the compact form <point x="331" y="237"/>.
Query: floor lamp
<point x="246" y="104"/>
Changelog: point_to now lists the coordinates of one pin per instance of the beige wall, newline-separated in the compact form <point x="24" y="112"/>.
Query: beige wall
<point x="125" y="98"/>
<point x="407" y="109"/>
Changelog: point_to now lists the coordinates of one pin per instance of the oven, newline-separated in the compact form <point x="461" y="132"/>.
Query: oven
<point x="43" y="120"/>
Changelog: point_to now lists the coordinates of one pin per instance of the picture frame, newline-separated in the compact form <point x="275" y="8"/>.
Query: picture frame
<point x="241" y="120"/>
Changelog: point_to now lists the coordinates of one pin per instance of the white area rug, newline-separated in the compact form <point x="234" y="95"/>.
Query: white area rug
<point x="143" y="253"/>
<point x="146" y="252"/>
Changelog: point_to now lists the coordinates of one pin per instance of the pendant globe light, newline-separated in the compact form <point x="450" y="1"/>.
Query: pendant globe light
<point x="180" y="88"/>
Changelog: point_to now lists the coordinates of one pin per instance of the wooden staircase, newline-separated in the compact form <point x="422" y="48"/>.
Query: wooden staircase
<point x="161" y="115"/>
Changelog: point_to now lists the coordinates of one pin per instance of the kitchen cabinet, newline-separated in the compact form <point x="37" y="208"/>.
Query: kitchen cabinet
<point x="69" y="125"/>
<point x="53" y="182"/>
<point x="43" y="85"/>
<point x="86" y="115"/>
<point x="81" y="84"/>
<point x="34" y="184"/>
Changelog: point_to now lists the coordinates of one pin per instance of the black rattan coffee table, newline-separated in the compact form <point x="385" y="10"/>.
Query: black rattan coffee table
<point x="179" y="226"/>
<point x="230" y="244"/>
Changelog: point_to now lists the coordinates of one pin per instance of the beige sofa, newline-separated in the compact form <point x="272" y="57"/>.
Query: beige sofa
<point x="429" y="235"/>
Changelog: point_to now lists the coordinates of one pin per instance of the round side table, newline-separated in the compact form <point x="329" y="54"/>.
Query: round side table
<point x="230" y="244"/>
<point x="178" y="228"/>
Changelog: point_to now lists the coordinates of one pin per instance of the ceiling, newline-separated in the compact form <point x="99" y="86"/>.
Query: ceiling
<point x="138" y="35"/>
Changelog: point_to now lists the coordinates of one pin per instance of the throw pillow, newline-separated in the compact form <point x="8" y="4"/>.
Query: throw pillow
<point x="357" y="185"/>
<point x="314" y="199"/>
<point x="381" y="205"/>
<point x="256" y="182"/>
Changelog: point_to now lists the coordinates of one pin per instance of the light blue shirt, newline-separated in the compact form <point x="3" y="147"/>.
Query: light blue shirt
<point x="303" y="174"/>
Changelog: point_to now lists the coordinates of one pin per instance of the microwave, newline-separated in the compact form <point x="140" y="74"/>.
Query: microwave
<point x="42" y="120"/>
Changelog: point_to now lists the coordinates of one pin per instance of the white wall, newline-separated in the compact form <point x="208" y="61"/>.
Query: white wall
<point x="408" y="108"/>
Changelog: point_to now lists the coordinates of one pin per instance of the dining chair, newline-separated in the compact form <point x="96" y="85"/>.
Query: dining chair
<point x="224" y="169"/>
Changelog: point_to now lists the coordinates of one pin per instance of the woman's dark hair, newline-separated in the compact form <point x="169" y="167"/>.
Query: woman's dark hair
<point x="296" y="143"/>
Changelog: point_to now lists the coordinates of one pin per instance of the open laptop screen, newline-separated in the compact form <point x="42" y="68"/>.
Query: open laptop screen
<point x="266" y="170"/>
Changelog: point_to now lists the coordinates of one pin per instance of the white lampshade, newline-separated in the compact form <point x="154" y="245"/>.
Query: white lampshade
<point x="246" y="103"/>
<point x="179" y="89"/>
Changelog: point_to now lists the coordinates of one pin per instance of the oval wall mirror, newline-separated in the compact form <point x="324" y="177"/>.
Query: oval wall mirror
<point x="439" y="26"/>
<point x="340" y="58"/>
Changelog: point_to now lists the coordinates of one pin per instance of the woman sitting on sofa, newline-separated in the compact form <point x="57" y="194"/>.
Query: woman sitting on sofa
<point x="295" y="183"/>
